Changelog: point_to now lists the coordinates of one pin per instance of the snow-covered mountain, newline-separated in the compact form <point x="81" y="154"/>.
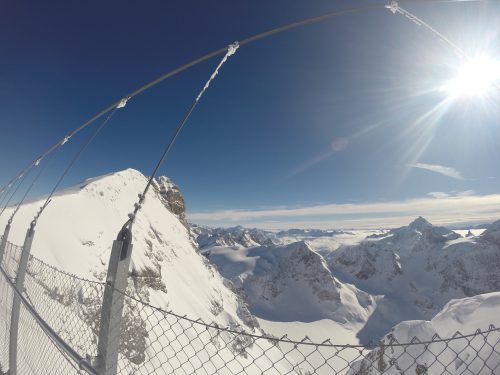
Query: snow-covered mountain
<point x="292" y="283"/>
<point x="320" y="240"/>
<point x="461" y="355"/>
<point x="405" y="273"/>
<point x="418" y="269"/>
<point x="76" y="231"/>
<point x="239" y="236"/>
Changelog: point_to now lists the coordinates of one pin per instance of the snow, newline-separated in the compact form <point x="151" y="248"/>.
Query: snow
<point x="458" y="318"/>
<point x="475" y="232"/>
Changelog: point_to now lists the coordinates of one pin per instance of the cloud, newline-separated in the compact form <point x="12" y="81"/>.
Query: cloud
<point x="442" y="194"/>
<point x="441" y="169"/>
<point x="438" y="194"/>
<point x="444" y="209"/>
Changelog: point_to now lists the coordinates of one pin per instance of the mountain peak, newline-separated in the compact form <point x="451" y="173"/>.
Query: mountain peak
<point x="420" y="223"/>
<point x="421" y="226"/>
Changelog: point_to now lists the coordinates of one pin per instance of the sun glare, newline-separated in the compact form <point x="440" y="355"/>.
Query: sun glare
<point x="475" y="78"/>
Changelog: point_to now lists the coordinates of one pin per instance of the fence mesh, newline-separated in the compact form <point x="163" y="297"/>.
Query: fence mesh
<point x="70" y="305"/>
<point x="178" y="345"/>
<point x="156" y="341"/>
<point x="37" y="353"/>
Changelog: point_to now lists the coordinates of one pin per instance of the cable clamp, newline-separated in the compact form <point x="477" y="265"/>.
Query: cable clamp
<point x="123" y="102"/>
<point x="65" y="140"/>
<point x="393" y="6"/>
<point x="232" y="48"/>
<point x="38" y="161"/>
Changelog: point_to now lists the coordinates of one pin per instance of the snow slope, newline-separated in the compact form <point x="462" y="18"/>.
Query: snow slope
<point x="461" y="355"/>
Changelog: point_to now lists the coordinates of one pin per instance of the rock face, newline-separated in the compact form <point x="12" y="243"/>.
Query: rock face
<point x="418" y="269"/>
<point x="171" y="196"/>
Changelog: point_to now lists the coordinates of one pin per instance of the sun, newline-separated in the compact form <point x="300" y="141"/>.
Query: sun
<point x="477" y="77"/>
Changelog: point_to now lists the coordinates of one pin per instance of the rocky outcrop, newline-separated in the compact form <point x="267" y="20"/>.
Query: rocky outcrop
<point x="171" y="196"/>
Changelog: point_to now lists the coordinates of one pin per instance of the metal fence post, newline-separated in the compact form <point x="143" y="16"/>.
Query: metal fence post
<point x="112" y="306"/>
<point x="16" y="304"/>
<point x="3" y="244"/>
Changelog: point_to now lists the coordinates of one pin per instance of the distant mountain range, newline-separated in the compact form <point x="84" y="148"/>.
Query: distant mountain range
<point x="239" y="236"/>
<point x="401" y="274"/>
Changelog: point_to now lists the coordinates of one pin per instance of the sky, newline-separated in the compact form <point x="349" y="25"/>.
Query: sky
<point x="345" y="123"/>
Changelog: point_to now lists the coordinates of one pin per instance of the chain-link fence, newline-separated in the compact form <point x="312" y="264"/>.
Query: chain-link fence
<point x="156" y="341"/>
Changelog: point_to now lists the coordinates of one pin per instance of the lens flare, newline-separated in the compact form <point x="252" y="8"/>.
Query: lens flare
<point x="475" y="78"/>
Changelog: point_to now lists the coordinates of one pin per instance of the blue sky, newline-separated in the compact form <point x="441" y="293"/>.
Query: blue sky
<point x="335" y="124"/>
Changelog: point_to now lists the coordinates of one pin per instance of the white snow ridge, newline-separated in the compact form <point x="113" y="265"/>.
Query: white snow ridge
<point x="215" y="301"/>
